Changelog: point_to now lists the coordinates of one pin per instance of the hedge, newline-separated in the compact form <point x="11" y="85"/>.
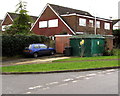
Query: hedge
<point x="14" y="44"/>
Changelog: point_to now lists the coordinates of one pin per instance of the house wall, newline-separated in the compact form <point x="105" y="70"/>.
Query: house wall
<point x="0" y="26"/>
<point x="73" y="22"/>
<point x="48" y="14"/>
<point x="109" y="43"/>
<point x="61" y="42"/>
<point x="7" y="21"/>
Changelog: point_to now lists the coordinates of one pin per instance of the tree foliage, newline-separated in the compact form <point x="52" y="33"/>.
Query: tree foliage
<point x="116" y="34"/>
<point x="13" y="45"/>
<point x="22" y="23"/>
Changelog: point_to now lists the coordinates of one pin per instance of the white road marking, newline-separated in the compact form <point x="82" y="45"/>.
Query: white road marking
<point x="63" y="84"/>
<point x="108" y="73"/>
<point x="46" y="88"/>
<point x="68" y="79"/>
<point x="111" y="70"/>
<point x="74" y="81"/>
<point x="87" y="78"/>
<point x="52" y="83"/>
<point x="91" y="74"/>
<point x="100" y="72"/>
<point x="80" y="77"/>
<point x="35" y="87"/>
<point x="28" y="92"/>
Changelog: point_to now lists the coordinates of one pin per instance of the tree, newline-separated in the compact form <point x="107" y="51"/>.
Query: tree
<point x="22" y="23"/>
<point x="116" y="40"/>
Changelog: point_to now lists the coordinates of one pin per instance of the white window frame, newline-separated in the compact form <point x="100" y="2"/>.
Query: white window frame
<point x="97" y="24"/>
<point x="91" y="23"/>
<point x="53" y="23"/>
<point x="42" y="24"/>
<point x="4" y="27"/>
<point x="107" y="26"/>
<point x="82" y="21"/>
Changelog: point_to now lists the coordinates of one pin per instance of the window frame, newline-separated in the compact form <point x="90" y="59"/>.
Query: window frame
<point x="91" y="24"/>
<point x="98" y="24"/>
<point x="43" y="23"/>
<point x="53" y="23"/>
<point x="81" y="21"/>
<point x="107" y="27"/>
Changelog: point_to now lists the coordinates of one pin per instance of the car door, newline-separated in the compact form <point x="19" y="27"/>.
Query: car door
<point x="44" y="49"/>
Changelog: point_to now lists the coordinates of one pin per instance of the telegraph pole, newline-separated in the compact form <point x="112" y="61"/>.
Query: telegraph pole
<point x="95" y="26"/>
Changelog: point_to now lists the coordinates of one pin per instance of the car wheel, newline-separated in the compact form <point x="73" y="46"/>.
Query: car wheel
<point x="52" y="52"/>
<point x="35" y="55"/>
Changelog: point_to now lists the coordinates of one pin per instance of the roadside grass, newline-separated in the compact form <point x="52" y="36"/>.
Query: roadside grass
<point x="58" y="66"/>
<point x="87" y="58"/>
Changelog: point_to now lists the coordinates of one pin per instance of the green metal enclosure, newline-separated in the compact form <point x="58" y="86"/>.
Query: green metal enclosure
<point x="87" y="45"/>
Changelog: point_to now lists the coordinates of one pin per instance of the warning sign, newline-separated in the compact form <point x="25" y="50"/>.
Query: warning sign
<point x="82" y="42"/>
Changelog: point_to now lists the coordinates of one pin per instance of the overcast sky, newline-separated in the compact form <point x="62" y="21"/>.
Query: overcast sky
<point x="100" y="8"/>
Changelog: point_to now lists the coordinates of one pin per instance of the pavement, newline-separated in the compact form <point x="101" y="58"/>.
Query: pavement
<point x="33" y="61"/>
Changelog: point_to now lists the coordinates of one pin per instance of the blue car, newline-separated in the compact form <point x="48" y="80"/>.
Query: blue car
<point x="38" y="49"/>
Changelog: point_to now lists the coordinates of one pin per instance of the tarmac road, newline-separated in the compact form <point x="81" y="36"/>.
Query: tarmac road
<point x="87" y="82"/>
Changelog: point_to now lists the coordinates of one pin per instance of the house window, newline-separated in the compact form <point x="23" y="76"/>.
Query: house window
<point x="90" y="23"/>
<point x="4" y="27"/>
<point x="42" y="24"/>
<point x="107" y="26"/>
<point x="53" y="23"/>
<point x="82" y="22"/>
<point x="98" y="24"/>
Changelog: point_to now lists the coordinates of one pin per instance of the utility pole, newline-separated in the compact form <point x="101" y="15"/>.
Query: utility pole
<point x="95" y="26"/>
<point x="119" y="14"/>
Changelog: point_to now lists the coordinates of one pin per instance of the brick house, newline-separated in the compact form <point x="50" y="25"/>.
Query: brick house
<point x="10" y="17"/>
<point x="55" y="20"/>
<point x="0" y="26"/>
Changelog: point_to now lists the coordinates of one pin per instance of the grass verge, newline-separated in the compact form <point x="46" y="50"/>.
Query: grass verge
<point x="87" y="58"/>
<point x="57" y="66"/>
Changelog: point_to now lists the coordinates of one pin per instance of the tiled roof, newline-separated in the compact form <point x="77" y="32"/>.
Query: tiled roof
<point x="65" y="10"/>
<point x="15" y="15"/>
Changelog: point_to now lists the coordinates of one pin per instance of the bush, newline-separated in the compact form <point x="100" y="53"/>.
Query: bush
<point x="113" y="52"/>
<point x="14" y="44"/>
<point x="116" y="40"/>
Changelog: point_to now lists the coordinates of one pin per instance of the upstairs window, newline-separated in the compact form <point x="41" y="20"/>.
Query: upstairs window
<point x="42" y="24"/>
<point x="107" y="26"/>
<point x="97" y="24"/>
<point x="4" y="27"/>
<point x="90" y="23"/>
<point x="53" y="23"/>
<point x="82" y="22"/>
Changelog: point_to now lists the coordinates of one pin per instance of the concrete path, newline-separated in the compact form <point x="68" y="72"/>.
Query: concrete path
<point x="43" y="60"/>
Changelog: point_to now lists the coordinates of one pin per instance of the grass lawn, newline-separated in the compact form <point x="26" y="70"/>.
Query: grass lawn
<point x="57" y="66"/>
<point x="87" y="58"/>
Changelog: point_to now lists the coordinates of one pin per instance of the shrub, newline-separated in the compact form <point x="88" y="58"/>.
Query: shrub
<point x="116" y="40"/>
<point x="14" y="44"/>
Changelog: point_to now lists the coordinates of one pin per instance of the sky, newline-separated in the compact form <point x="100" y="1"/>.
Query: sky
<point x="98" y="8"/>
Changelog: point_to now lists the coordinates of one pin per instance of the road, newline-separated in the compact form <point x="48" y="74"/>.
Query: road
<point x="87" y="82"/>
